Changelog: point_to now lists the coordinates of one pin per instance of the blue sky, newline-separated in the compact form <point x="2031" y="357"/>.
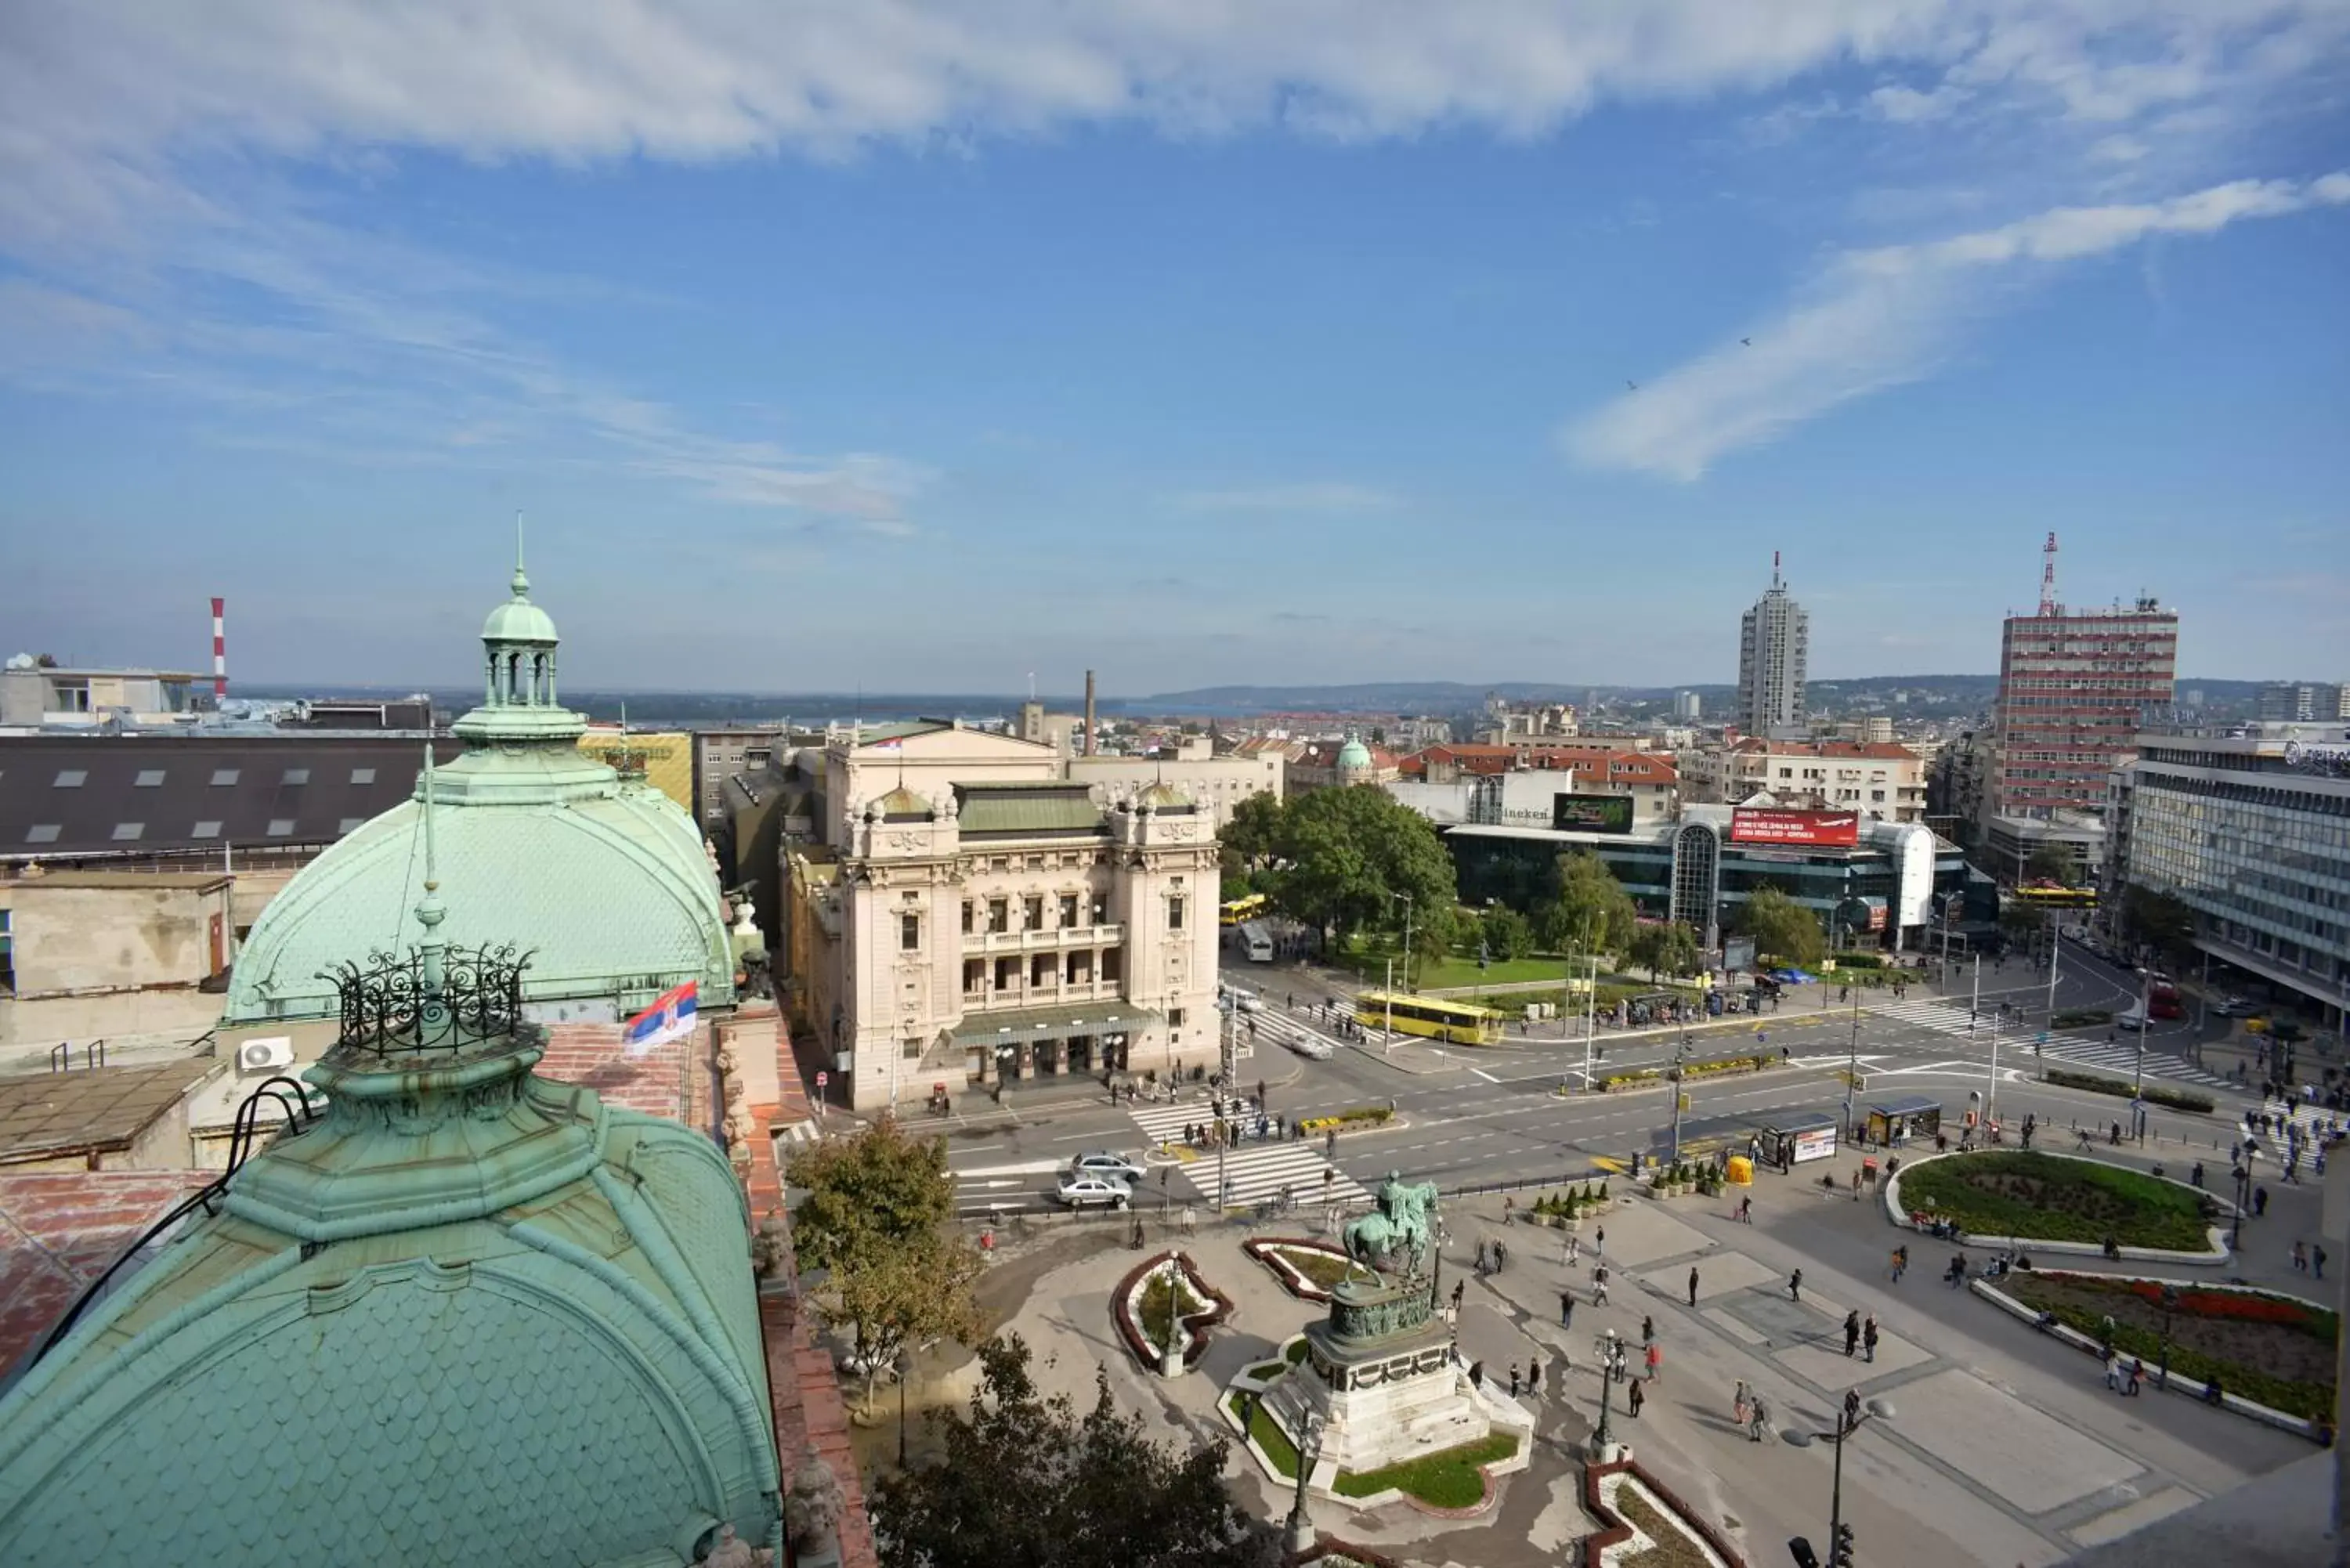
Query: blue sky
<point x="921" y="347"/>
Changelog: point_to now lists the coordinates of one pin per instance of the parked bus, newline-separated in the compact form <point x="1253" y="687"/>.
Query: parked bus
<point x="1255" y="938"/>
<point x="1248" y="906"/>
<point x="1439" y="1018"/>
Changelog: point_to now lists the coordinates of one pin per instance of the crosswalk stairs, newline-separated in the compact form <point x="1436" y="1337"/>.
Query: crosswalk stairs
<point x="2064" y="1047"/>
<point x="1257" y="1171"/>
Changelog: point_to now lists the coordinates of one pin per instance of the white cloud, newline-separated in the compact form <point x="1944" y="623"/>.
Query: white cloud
<point x="1879" y="317"/>
<point x="1315" y="495"/>
<point x="1908" y="106"/>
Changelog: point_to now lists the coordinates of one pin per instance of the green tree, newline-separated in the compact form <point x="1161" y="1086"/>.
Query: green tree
<point x="1345" y="853"/>
<point x="1253" y="833"/>
<point x="1507" y="933"/>
<point x="2162" y="920"/>
<point x="2052" y="863"/>
<point x="875" y="1221"/>
<point x="2020" y="922"/>
<point x="1782" y="928"/>
<point x="1026" y="1481"/>
<point x="1587" y="909"/>
<point x="1666" y="947"/>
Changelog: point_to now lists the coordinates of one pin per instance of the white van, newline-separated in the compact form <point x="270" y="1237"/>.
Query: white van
<point x="2132" y="1021"/>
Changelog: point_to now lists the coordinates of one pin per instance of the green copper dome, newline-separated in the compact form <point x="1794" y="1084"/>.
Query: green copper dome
<point x="608" y="876"/>
<point x="1353" y="757"/>
<point x="468" y="1315"/>
<point x="518" y="620"/>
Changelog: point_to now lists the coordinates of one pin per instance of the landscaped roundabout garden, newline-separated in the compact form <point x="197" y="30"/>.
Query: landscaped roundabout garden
<point x="2036" y="1196"/>
<point x="2275" y="1350"/>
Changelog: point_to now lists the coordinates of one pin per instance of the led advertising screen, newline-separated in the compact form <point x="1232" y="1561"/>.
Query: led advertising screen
<point x="1591" y="813"/>
<point x="1762" y="824"/>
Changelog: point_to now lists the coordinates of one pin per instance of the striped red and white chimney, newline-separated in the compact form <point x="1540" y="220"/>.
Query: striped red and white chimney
<point x="220" y="649"/>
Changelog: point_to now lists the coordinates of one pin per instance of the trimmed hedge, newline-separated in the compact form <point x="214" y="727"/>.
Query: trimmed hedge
<point x="2154" y="1094"/>
<point x="2037" y="1197"/>
<point x="2080" y="1018"/>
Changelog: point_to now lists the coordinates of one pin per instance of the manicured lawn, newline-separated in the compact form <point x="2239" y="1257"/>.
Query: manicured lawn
<point x="1157" y="1298"/>
<point x="1265" y="1371"/>
<point x="2041" y="1197"/>
<point x="1295" y="1352"/>
<point x="1449" y="1479"/>
<point x="2268" y="1348"/>
<point x="1324" y="1269"/>
<point x="1269" y="1437"/>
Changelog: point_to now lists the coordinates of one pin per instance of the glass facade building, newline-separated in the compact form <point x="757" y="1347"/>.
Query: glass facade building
<point x="1688" y="871"/>
<point x="2252" y="832"/>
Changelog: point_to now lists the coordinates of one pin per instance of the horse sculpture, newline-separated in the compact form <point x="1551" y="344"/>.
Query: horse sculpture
<point x="1399" y="1228"/>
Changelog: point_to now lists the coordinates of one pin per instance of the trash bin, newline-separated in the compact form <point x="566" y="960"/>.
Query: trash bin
<point x="1740" y="1171"/>
<point x="1868" y="1170"/>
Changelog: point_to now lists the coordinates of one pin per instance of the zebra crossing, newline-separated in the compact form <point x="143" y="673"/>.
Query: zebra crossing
<point x="2117" y="1056"/>
<point x="1281" y="1028"/>
<point x="1257" y="1171"/>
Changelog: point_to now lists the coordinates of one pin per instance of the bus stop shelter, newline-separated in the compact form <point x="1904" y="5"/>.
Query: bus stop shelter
<point x="1895" y="1121"/>
<point x="1788" y="1141"/>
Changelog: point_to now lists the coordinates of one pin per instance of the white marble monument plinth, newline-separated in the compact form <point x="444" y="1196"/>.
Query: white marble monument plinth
<point x="1379" y="1403"/>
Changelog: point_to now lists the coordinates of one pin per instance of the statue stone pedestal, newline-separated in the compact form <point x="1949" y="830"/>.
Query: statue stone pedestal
<point x="1380" y="1380"/>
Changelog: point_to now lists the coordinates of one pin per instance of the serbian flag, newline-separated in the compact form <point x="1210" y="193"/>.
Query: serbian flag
<point x="670" y="1017"/>
<point x="894" y="743"/>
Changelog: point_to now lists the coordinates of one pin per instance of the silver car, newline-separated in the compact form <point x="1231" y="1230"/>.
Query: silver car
<point x="1103" y="1162"/>
<point x="1080" y="1190"/>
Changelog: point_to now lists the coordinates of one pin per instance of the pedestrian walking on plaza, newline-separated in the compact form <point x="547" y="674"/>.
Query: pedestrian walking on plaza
<point x="2112" y="1370"/>
<point x="1746" y="1209"/>
<point x="1692" y="1287"/>
<point x="2318" y="1258"/>
<point x="1758" y="1418"/>
<point x="1868" y="1337"/>
<point x="1501" y="1255"/>
<point x="1513" y="1380"/>
<point x="2300" y="1259"/>
<point x="1740" y="1403"/>
<point x="1656" y="1359"/>
<point x="1851" y="1333"/>
<point x="1647" y="1330"/>
<point x="1484" y="1255"/>
<point x="1574" y="1249"/>
<point x="1633" y="1398"/>
<point x="1599" y="1285"/>
<point x="1599" y="1242"/>
<point x="2259" y="1202"/>
<point x="1534" y="1376"/>
<point x="1566" y="1307"/>
<point x="1900" y="1262"/>
<point x="1796" y="1287"/>
<point x="2195" y="1177"/>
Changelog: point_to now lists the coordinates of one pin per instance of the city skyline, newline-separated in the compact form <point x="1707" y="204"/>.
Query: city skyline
<point x="825" y="350"/>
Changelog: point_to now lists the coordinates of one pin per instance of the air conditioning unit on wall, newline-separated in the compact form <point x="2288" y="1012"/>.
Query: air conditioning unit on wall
<point x="274" y="1054"/>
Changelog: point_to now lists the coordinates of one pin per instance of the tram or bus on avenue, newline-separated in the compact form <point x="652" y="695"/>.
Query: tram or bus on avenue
<point x="1437" y="1017"/>
<point x="1241" y="911"/>
<point x="2048" y="896"/>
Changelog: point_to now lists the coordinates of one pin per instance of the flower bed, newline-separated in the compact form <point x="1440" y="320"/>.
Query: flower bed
<point x="1644" y="1078"/>
<point x="1202" y="1307"/>
<point x="2154" y="1094"/>
<point x="1350" y="1119"/>
<point x="1306" y="1270"/>
<point x="2036" y="1196"/>
<point x="1645" y="1525"/>
<point x="2275" y="1350"/>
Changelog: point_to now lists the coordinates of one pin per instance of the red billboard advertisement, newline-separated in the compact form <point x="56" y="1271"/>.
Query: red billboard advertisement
<point x="1768" y="825"/>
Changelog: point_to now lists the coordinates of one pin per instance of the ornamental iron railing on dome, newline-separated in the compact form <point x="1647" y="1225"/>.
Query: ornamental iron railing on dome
<point x="388" y="1006"/>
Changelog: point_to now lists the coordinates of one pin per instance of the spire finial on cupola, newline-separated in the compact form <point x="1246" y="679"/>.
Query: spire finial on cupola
<point x="521" y="581"/>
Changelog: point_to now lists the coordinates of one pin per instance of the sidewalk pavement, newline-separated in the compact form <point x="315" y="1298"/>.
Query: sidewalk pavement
<point x="1969" y="1470"/>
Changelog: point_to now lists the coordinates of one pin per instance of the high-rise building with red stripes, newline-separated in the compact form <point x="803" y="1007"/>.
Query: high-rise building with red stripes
<point x="2074" y="686"/>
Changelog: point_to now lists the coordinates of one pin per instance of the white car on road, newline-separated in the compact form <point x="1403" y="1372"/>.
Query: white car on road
<point x="1080" y="1190"/>
<point x="1104" y="1162"/>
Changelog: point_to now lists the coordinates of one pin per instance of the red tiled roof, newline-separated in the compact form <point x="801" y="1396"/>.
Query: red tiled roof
<point x="59" y="1230"/>
<point x="594" y="1056"/>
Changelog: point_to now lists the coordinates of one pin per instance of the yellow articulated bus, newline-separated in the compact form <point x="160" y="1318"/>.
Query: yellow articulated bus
<point x="1439" y="1018"/>
<point x="1246" y="908"/>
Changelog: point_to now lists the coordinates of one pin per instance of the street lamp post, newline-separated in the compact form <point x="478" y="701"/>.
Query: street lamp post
<point x="2244" y="1175"/>
<point x="2144" y="1001"/>
<point x="1309" y="1451"/>
<point x="1407" y="937"/>
<point x="1674" y="1079"/>
<point x="1611" y="1368"/>
<point x="1852" y="1064"/>
<point x="2169" y="1305"/>
<point x="1849" y="1420"/>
